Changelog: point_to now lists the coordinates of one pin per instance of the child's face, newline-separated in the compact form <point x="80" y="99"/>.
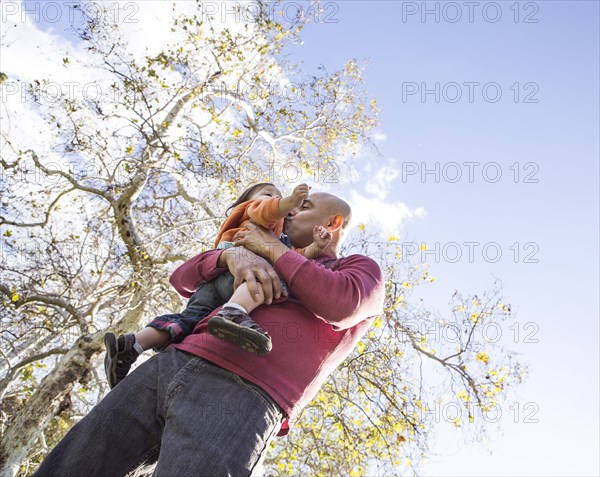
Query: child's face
<point x="266" y="192"/>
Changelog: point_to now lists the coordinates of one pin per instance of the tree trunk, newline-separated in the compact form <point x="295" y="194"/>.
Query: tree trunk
<point x="47" y="401"/>
<point x="53" y="392"/>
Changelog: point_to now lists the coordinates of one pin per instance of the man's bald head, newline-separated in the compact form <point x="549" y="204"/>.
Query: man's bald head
<point x="320" y="208"/>
<point x="335" y="205"/>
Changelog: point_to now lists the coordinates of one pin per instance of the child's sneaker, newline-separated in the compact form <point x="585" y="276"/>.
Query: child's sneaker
<point x="120" y="355"/>
<point x="235" y="325"/>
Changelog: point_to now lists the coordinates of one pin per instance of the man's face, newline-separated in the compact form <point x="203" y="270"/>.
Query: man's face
<point x="300" y="221"/>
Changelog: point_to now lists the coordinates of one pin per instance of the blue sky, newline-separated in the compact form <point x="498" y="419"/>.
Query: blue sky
<point x="554" y="220"/>
<point x="558" y="214"/>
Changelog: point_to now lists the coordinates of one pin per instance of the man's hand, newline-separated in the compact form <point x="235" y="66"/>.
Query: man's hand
<point x="246" y="266"/>
<point x="261" y="241"/>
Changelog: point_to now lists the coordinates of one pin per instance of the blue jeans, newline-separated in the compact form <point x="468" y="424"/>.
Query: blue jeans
<point x="191" y="417"/>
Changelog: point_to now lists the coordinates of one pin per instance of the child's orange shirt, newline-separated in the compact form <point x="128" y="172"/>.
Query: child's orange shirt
<point x="263" y="212"/>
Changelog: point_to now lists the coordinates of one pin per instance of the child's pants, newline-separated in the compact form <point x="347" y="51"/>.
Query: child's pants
<point x="209" y="296"/>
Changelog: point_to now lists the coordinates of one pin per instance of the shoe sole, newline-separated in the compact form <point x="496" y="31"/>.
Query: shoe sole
<point x="110" y="363"/>
<point x="248" y="339"/>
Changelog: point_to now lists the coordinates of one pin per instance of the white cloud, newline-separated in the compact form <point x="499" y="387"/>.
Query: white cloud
<point x="388" y="216"/>
<point x="25" y="40"/>
<point x="380" y="137"/>
<point x="420" y="212"/>
<point x="380" y="184"/>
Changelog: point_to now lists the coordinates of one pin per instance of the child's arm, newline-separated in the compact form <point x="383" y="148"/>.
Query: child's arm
<point x="265" y="212"/>
<point x="322" y="238"/>
<point x="270" y="211"/>
<point x="300" y="193"/>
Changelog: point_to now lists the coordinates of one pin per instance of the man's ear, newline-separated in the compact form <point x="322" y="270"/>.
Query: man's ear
<point x="335" y="222"/>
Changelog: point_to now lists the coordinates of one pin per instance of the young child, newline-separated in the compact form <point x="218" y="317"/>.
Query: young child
<point x="262" y="203"/>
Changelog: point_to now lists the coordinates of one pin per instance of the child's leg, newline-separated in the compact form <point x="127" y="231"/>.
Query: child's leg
<point x="206" y="298"/>
<point x="234" y="323"/>
<point x="123" y="351"/>
<point x="152" y="338"/>
<point x="243" y="297"/>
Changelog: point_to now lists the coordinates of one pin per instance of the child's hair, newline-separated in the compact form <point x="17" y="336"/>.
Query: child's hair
<point x="248" y="193"/>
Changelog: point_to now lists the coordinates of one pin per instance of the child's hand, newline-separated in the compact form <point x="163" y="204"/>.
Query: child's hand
<point x="288" y="203"/>
<point x="299" y="194"/>
<point x="321" y="236"/>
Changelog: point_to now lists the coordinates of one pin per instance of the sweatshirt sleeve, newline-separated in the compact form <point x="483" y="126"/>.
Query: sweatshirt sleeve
<point x="197" y="270"/>
<point x="341" y="297"/>
<point x="265" y="212"/>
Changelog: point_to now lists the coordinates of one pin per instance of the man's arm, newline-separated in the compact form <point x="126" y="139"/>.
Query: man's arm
<point x="196" y="271"/>
<point x="243" y="265"/>
<point x="341" y="297"/>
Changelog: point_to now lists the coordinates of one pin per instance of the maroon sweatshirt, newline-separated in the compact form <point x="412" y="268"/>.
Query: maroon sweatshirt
<point x="331" y="304"/>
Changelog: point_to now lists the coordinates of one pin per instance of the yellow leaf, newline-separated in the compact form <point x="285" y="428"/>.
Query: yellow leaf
<point x="15" y="297"/>
<point x="483" y="357"/>
<point x="361" y="347"/>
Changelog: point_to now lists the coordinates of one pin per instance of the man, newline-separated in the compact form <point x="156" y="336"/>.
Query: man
<point x="205" y="407"/>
